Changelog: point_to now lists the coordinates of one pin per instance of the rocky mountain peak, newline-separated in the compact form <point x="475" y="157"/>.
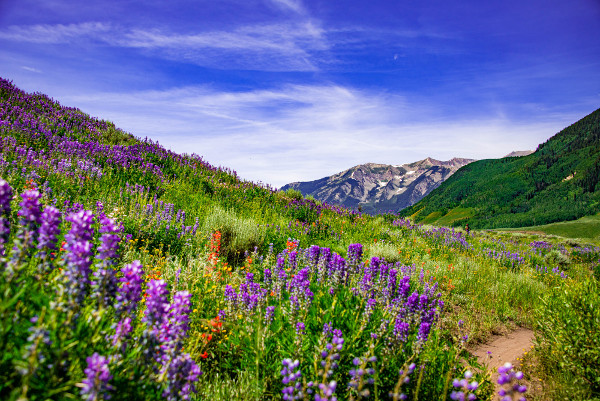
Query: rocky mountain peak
<point x="377" y="188"/>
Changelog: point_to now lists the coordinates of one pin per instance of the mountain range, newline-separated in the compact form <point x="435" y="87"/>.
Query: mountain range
<point x="378" y="188"/>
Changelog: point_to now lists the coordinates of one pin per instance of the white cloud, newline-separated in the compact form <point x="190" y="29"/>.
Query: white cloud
<point x="293" y="5"/>
<point x="289" y="46"/>
<point x="301" y="132"/>
<point x="269" y="47"/>
<point x="31" y="69"/>
<point x="52" y="34"/>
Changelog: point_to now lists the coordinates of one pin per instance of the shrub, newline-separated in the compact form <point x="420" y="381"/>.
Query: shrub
<point x="568" y="337"/>
<point x="555" y="257"/>
<point x="383" y="250"/>
<point x="238" y="235"/>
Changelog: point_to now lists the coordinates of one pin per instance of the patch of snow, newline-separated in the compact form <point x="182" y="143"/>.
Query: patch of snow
<point x="410" y="172"/>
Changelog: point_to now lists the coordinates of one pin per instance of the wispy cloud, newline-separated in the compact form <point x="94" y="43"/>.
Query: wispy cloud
<point x="291" y="46"/>
<point x="293" y="5"/>
<point x="269" y="47"/>
<point x="54" y="34"/>
<point x="31" y="69"/>
<point x="300" y="132"/>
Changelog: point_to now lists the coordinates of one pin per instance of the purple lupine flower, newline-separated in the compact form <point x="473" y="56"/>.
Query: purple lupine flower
<point x="49" y="229"/>
<point x="327" y="391"/>
<point x="269" y="313"/>
<point x="182" y="375"/>
<point x="6" y="194"/>
<point x="328" y="329"/>
<point x="30" y="211"/>
<point x="338" y="270"/>
<point x="156" y="304"/>
<point x="355" y="252"/>
<point x="401" y="330"/>
<point x="121" y="331"/>
<point x="267" y="274"/>
<point x="313" y="253"/>
<point x="509" y="380"/>
<point x="29" y="222"/>
<point x="424" y="330"/>
<point x="130" y="291"/>
<point x="105" y="280"/>
<point x="231" y="298"/>
<point x="109" y="241"/>
<point x="300" y="329"/>
<point x="366" y="284"/>
<point x="178" y="319"/>
<point x="404" y="379"/>
<point x="79" y="253"/>
<point x="95" y="385"/>
<point x="291" y="380"/>
<point x="330" y="355"/>
<point x="464" y="389"/>
<point x="369" y="308"/>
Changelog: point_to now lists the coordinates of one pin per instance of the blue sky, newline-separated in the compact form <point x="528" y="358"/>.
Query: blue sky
<point x="288" y="90"/>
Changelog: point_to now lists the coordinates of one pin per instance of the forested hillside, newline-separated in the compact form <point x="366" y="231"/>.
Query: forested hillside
<point x="558" y="182"/>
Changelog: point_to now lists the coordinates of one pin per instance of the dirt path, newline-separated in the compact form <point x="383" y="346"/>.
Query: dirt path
<point x="503" y="349"/>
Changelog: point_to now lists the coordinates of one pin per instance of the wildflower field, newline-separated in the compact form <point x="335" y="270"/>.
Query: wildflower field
<point x="129" y="272"/>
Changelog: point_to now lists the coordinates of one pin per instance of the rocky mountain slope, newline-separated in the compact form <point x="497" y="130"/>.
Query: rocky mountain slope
<point x="519" y="153"/>
<point x="376" y="188"/>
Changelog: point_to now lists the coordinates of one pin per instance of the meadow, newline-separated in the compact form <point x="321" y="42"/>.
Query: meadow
<point x="131" y="272"/>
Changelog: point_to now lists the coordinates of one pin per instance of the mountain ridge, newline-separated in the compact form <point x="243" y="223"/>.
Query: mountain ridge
<point x="376" y="188"/>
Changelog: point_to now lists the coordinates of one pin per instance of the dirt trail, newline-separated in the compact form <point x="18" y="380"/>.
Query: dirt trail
<point x="503" y="349"/>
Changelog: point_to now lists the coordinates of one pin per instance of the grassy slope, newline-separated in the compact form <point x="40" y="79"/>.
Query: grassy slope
<point x="587" y="228"/>
<point x="558" y="182"/>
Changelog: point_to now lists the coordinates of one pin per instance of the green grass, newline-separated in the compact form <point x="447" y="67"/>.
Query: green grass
<point x="454" y="216"/>
<point x="587" y="227"/>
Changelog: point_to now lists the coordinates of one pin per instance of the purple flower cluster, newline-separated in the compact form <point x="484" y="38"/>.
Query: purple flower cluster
<point x="49" y="230"/>
<point x="130" y="291"/>
<point x="6" y="194"/>
<point x="505" y="258"/>
<point x="105" y="280"/>
<point x="403" y="378"/>
<point x="250" y="299"/>
<point x="361" y="375"/>
<point x="79" y="254"/>
<point x="29" y="213"/>
<point x="167" y="327"/>
<point x="509" y="380"/>
<point x="463" y="390"/>
<point x="291" y="380"/>
<point x="95" y="386"/>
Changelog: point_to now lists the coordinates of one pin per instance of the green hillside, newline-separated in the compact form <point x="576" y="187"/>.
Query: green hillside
<point x="558" y="182"/>
<point x="587" y="227"/>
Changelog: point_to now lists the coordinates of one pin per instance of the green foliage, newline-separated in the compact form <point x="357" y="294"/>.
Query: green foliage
<point x="568" y="338"/>
<point x="239" y="235"/>
<point x="556" y="258"/>
<point x="294" y="194"/>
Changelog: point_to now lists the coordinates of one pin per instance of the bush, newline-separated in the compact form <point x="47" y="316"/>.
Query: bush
<point x="383" y="250"/>
<point x="294" y="194"/>
<point x="555" y="257"/>
<point x="238" y="235"/>
<point x="568" y="338"/>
